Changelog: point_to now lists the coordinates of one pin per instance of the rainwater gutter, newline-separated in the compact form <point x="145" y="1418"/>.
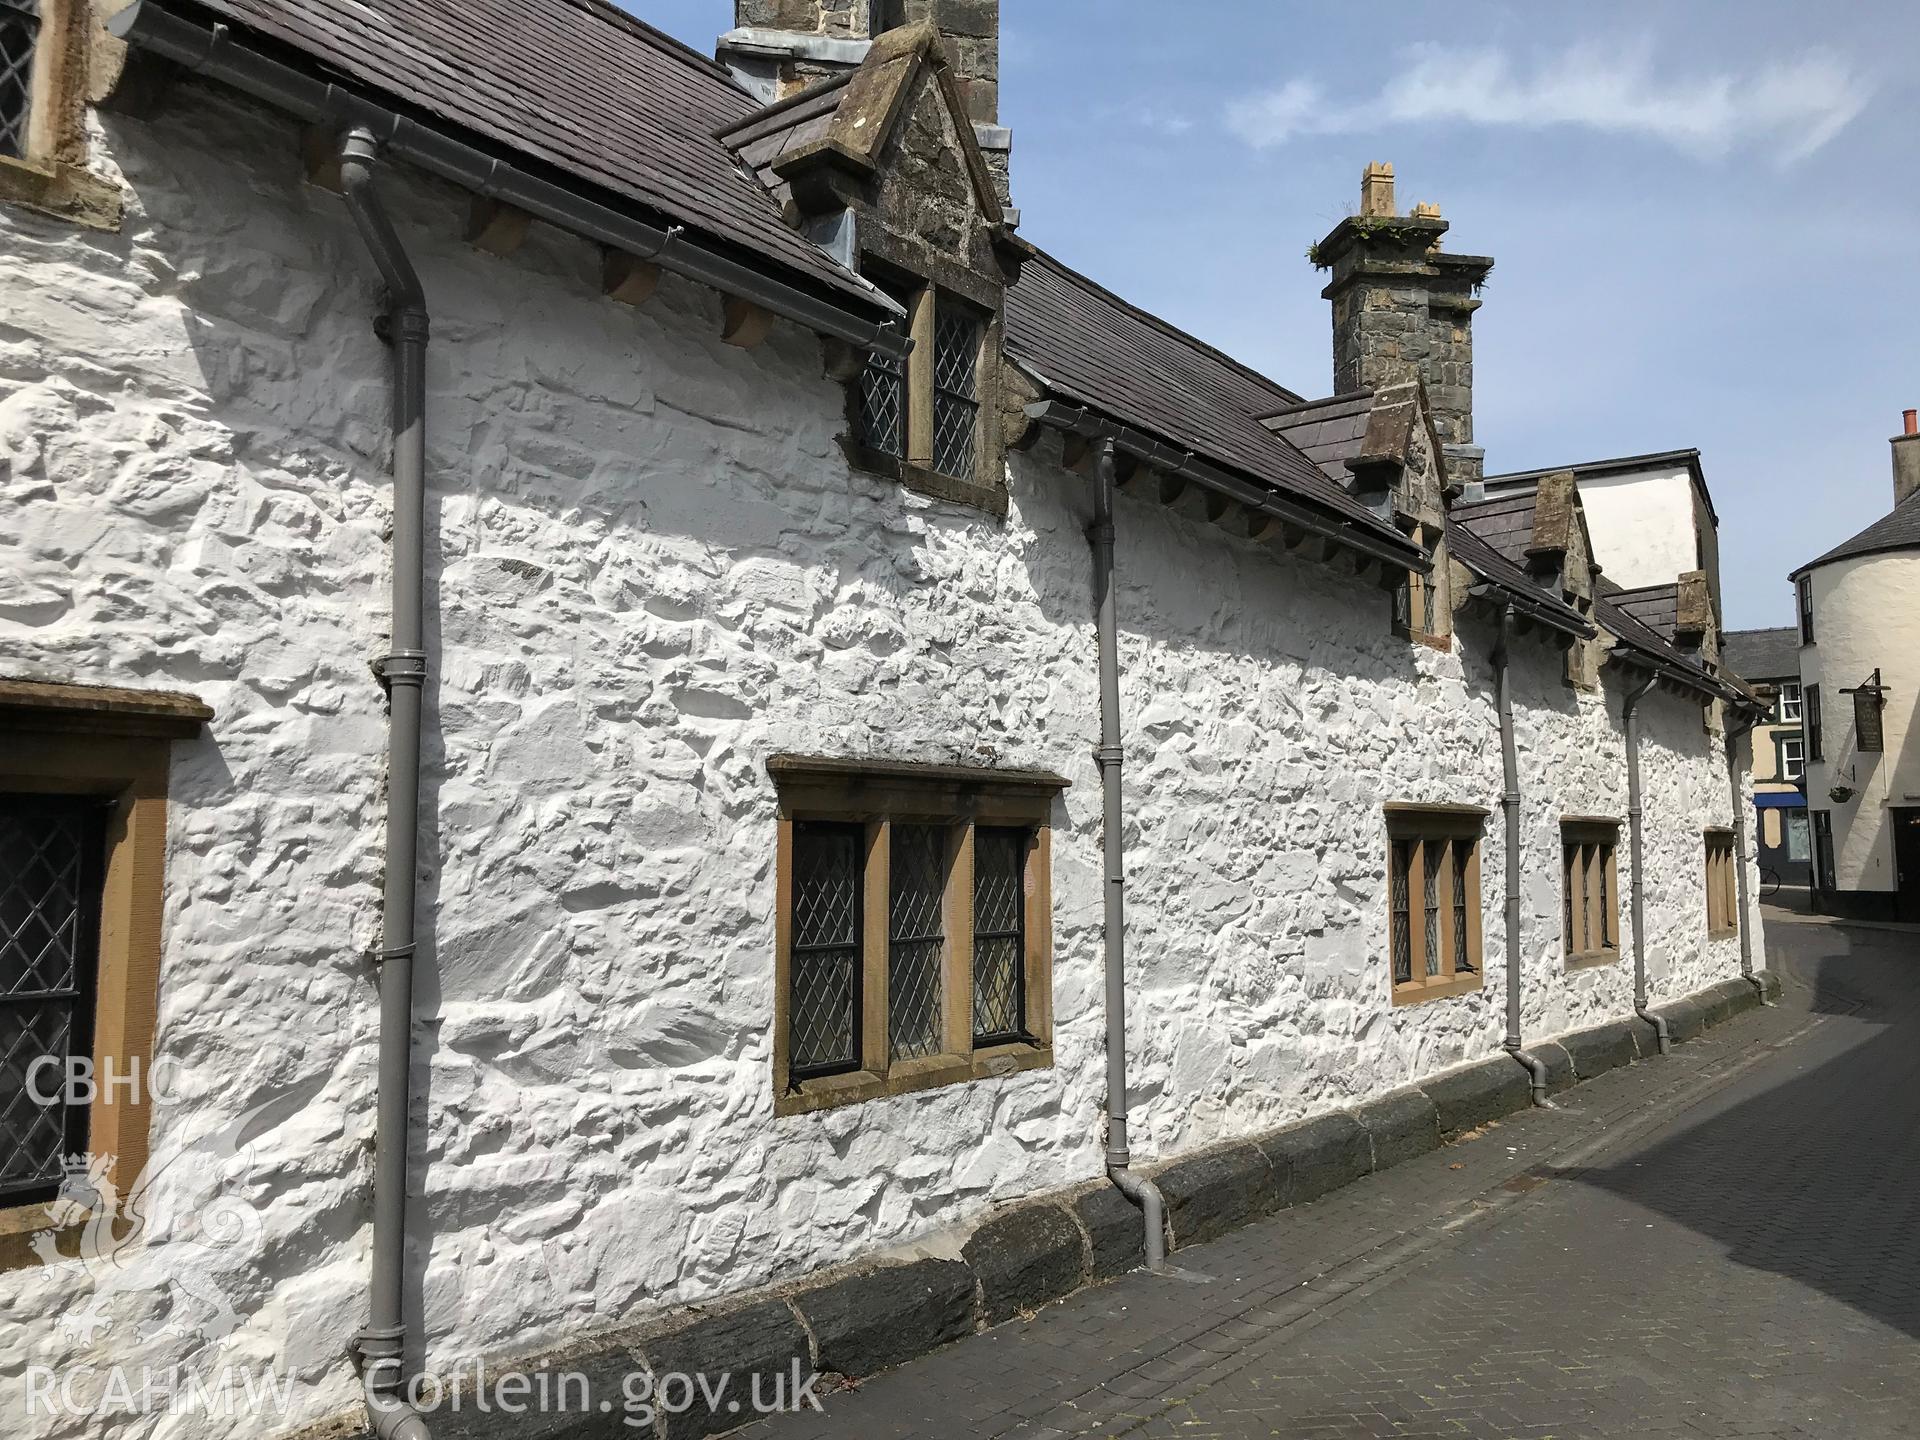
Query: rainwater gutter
<point x="1510" y="806"/>
<point x="1630" y="721"/>
<point x="214" y="53"/>
<point x="1137" y="1188"/>
<point x="380" y="1347"/>
<point x="1185" y="465"/>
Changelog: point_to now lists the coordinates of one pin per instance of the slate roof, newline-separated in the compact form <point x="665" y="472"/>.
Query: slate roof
<point x="575" y="86"/>
<point x="1328" y="432"/>
<point x="1762" y="654"/>
<point x="784" y="129"/>
<point x="1655" y="606"/>
<point x="1489" y="564"/>
<point x="1086" y="345"/>
<point x="1504" y="522"/>
<point x="1898" y="530"/>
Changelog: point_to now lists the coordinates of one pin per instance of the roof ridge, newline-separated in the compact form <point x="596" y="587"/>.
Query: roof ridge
<point x="1165" y="325"/>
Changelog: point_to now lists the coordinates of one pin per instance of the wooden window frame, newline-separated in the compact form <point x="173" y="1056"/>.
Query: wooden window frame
<point x="117" y="745"/>
<point x="985" y="487"/>
<point x="1788" y="710"/>
<point x="878" y="795"/>
<point x="1723" y="894"/>
<point x="1813" y="724"/>
<point x="1803" y="607"/>
<point x="1425" y="825"/>
<point x="1425" y="598"/>
<point x="1783" y="765"/>
<point x="1589" y="861"/>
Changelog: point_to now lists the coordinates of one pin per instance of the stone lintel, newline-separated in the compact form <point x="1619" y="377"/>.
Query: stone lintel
<point x="101" y="709"/>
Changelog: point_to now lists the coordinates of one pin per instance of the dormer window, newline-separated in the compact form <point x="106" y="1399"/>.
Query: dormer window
<point x="920" y="418"/>
<point x="1421" y="610"/>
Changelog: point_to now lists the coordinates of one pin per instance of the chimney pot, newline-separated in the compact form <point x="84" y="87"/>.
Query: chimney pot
<point x="1906" y="460"/>
<point x="1376" y="190"/>
<point x="1912" y="418"/>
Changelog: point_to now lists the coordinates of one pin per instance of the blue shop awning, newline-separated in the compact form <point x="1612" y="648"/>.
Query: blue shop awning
<point x="1780" y="800"/>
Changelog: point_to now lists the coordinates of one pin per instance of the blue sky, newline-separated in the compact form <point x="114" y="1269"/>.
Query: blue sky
<point x="1704" y="215"/>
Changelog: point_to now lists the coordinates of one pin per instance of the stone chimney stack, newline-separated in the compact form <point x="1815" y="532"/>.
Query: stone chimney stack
<point x="1402" y="306"/>
<point x="1906" y="460"/>
<point x="779" y="47"/>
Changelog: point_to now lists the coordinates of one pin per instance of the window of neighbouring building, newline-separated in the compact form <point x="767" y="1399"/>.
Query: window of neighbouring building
<point x="1433" y="890"/>
<point x="83" y="803"/>
<point x="914" y="931"/>
<point x="1803" y="599"/>
<point x="1723" y="904"/>
<point x="1793" y="758"/>
<point x="1788" y="710"/>
<point x="1590" y="906"/>
<point x="1799" y="837"/>
<point x="1815" y="733"/>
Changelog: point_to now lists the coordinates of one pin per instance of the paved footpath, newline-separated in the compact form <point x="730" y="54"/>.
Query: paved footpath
<point x="1722" y="1243"/>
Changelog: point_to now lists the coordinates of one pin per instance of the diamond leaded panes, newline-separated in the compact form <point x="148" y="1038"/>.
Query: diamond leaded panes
<point x="956" y="396"/>
<point x="50" y="857"/>
<point x="916" y="939"/>
<point x="824" y="1007"/>
<point x="883" y="405"/>
<point x="19" y="29"/>
<point x="1462" y="960"/>
<point x="1402" y="868"/>
<point x="1435" y="858"/>
<point x="999" y="941"/>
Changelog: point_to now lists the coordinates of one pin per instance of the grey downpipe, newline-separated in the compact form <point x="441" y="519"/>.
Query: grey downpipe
<point x="1630" y="720"/>
<point x="1510" y="807"/>
<point x="214" y="53"/>
<point x="403" y="326"/>
<point x="1734" y="738"/>
<point x="1137" y="1188"/>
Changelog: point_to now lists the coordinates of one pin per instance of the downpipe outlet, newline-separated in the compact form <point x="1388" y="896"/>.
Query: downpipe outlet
<point x="380" y="1346"/>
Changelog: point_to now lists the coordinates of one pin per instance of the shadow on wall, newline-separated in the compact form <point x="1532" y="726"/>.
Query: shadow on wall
<point x="1842" y="1214"/>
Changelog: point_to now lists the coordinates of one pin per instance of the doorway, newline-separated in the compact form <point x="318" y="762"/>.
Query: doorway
<point x="1906" y="862"/>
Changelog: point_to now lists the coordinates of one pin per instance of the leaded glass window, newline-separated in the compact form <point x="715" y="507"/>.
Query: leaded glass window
<point x="1432" y="868"/>
<point x="19" y="30"/>
<point x="1399" y="882"/>
<point x="916" y="939"/>
<point x="51" y="856"/>
<point x="956" y="400"/>
<point x="883" y="405"/>
<point x="1462" y="856"/>
<point x="999" y="934"/>
<point x="824" y="1006"/>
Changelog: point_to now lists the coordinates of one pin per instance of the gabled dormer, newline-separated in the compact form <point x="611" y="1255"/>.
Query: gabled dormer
<point x="882" y="167"/>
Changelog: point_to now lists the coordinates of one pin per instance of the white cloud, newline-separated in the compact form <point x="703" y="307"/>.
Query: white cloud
<point x="1789" y="107"/>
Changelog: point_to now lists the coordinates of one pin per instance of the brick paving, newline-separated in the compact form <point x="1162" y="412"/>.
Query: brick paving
<point x="1722" y="1243"/>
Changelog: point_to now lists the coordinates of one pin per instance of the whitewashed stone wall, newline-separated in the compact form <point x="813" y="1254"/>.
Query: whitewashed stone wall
<point x="653" y="569"/>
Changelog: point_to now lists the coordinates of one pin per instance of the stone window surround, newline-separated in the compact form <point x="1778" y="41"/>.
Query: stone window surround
<point x="53" y="178"/>
<point x="1591" y="842"/>
<point x="923" y="285"/>
<point x="1457" y="824"/>
<point x="875" y="794"/>
<point x="116" y="744"/>
<point x="1723" y="901"/>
